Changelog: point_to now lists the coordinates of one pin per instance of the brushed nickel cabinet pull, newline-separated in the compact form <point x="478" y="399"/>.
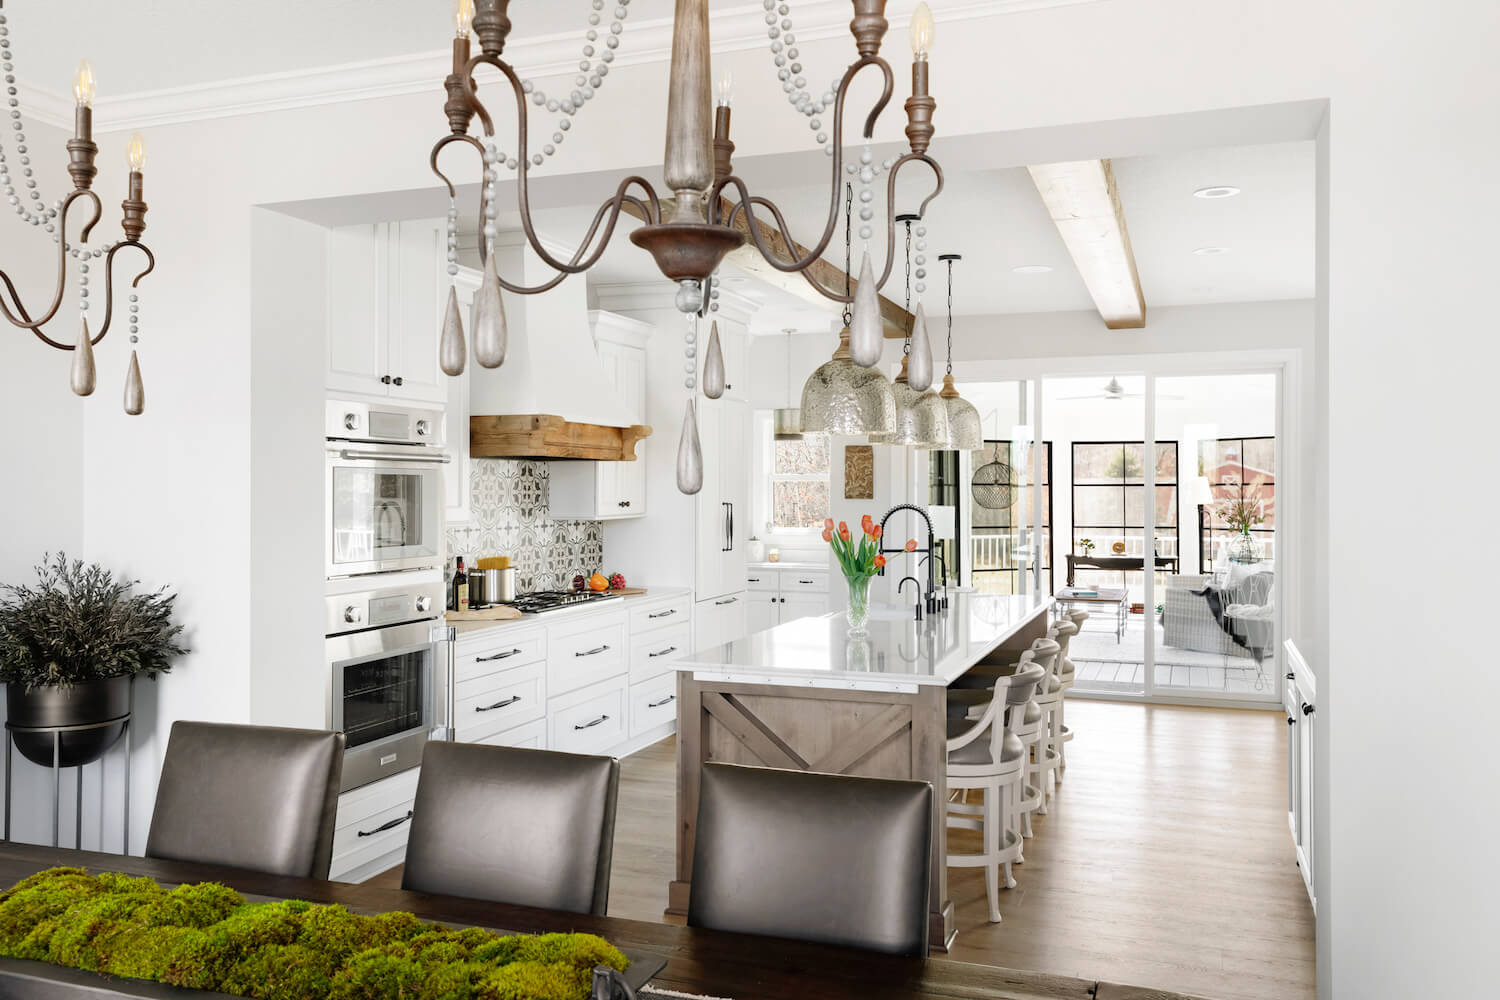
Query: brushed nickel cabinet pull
<point x="499" y="704"/>
<point x="592" y="652"/>
<point x="591" y="725"/>
<point x="665" y="701"/>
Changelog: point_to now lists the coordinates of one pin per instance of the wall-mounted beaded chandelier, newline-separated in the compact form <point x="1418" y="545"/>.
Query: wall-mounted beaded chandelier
<point x="24" y="196"/>
<point x="690" y="232"/>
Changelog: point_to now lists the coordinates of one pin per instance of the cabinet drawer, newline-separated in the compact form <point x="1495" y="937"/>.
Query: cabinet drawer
<point x="588" y="721"/>
<point x="500" y="652"/>
<point x="651" y="655"/>
<point x="373" y="821"/>
<point x="653" y="703"/>
<point x="678" y="611"/>
<point x="803" y="582"/>
<point x="596" y="652"/>
<point x="531" y="736"/>
<point x="483" y="706"/>
<point x="762" y="579"/>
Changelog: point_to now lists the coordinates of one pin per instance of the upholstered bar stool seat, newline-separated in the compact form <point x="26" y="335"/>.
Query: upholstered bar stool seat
<point x="530" y="827"/>
<point x="826" y="858"/>
<point x="252" y="797"/>
<point x="979" y="751"/>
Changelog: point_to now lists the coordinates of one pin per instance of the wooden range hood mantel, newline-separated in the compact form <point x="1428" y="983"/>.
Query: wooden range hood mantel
<point x="542" y="435"/>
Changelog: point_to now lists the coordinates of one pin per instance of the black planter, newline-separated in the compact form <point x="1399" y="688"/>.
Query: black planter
<point x="76" y="705"/>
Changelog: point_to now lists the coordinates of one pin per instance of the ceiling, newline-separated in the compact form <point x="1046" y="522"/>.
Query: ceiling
<point x="179" y="43"/>
<point x="992" y="216"/>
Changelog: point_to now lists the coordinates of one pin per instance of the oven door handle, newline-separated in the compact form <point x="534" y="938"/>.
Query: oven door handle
<point x="390" y="456"/>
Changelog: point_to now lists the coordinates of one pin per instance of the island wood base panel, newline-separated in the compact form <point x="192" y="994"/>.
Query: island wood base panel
<point x="865" y="733"/>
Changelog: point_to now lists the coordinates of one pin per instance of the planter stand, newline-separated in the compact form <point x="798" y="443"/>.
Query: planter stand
<point x="56" y="732"/>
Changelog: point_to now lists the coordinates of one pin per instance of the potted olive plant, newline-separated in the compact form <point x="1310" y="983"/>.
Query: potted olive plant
<point x="69" y="646"/>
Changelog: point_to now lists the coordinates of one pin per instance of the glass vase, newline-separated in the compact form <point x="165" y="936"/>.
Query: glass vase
<point x="859" y="605"/>
<point x="1244" y="548"/>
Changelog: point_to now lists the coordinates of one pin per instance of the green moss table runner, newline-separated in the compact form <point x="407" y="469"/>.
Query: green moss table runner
<point x="207" y="937"/>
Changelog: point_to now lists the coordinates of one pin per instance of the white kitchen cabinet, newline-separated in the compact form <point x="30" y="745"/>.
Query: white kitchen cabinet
<point x="735" y="344"/>
<point x="371" y="827"/>
<point x="723" y="514"/>
<point x="720" y="619"/>
<point x="385" y="310"/>
<point x="1299" y="699"/>
<point x="456" y="413"/>
<point x="607" y="491"/>
<point x="778" y="596"/>
<point x="762" y="610"/>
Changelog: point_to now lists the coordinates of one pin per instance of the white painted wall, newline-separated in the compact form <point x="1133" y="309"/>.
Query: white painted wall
<point x="1403" y="293"/>
<point x="288" y="678"/>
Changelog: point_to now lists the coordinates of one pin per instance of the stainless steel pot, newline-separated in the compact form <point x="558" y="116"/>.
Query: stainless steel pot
<point x="499" y="585"/>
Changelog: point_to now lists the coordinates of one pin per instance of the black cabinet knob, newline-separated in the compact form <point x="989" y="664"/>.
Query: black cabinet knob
<point x="398" y="380"/>
<point x="385" y="380"/>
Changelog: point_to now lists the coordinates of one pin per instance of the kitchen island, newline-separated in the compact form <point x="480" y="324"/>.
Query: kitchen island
<point x="806" y="696"/>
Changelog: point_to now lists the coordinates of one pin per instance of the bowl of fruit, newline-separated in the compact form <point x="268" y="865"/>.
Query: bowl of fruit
<point x="599" y="583"/>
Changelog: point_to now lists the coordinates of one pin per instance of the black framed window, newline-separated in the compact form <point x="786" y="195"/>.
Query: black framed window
<point x="1238" y="468"/>
<point x="1002" y="536"/>
<point x="1109" y="498"/>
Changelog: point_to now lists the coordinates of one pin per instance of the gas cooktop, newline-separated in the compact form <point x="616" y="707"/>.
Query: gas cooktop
<point x="540" y="601"/>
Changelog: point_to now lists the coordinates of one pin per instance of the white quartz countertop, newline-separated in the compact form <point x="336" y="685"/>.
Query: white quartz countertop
<point x="784" y="564"/>
<point x="895" y="655"/>
<point x="471" y="628"/>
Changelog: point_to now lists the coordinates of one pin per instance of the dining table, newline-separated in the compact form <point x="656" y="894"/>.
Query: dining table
<point x="699" y="962"/>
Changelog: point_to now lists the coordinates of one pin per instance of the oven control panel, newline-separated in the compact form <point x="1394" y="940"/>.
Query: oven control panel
<point x="348" y="420"/>
<point x="368" y="609"/>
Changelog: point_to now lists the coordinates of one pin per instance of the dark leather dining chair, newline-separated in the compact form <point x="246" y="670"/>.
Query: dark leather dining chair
<point x="818" y="857"/>
<point x="253" y="797"/>
<point x="530" y="827"/>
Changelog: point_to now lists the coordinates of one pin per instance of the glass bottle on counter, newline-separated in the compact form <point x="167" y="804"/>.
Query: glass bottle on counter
<point x="460" y="587"/>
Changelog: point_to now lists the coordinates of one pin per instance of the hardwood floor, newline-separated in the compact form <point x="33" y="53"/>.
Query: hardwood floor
<point x="1165" y="861"/>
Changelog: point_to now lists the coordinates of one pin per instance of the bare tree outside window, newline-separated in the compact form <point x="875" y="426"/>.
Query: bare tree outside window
<point x="799" y="483"/>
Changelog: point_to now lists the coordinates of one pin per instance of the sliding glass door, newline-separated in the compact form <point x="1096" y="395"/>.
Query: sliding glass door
<point x="1171" y="549"/>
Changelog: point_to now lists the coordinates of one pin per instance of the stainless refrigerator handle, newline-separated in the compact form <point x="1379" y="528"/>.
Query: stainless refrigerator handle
<point x="389" y="456"/>
<point x="448" y="636"/>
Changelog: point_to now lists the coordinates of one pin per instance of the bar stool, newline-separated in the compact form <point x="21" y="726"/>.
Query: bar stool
<point x="1049" y="698"/>
<point x="974" y="689"/>
<point x="985" y="754"/>
<point x="1069" y="675"/>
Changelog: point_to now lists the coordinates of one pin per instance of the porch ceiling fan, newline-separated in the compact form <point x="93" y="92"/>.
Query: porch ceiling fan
<point x="1114" y="390"/>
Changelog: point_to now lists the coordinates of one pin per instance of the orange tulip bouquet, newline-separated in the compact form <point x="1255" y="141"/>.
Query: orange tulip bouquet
<point x="859" y="561"/>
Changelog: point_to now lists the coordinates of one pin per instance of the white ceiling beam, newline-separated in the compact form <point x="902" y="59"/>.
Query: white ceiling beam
<point x="1085" y="206"/>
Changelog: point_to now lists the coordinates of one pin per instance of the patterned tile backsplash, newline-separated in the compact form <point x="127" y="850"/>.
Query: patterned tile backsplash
<point x="508" y="517"/>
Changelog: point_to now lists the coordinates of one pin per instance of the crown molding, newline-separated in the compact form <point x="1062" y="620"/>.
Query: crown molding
<point x="739" y="28"/>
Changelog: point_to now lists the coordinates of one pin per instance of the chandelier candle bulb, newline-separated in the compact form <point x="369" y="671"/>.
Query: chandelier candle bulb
<point x="865" y="327"/>
<point x="463" y="17"/>
<point x="920" y="372"/>
<point x="452" y="352"/>
<point x="923" y="31"/>
<point x="713" y="365"/>
<point x="135" y="391"/>
<point x="83" y="376"/>
<point x="689" y="454"/>
<point x="489" y="319"/>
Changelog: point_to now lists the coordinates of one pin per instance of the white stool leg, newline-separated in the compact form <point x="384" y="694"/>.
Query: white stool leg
<point x="991" y="834"/>
<point x="1010" y="804"/>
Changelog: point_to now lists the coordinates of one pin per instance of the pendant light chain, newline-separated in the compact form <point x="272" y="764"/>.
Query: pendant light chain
<point x="906" y="344"/>
<point x="848" y="252"/>
<point x="950" y="316"/>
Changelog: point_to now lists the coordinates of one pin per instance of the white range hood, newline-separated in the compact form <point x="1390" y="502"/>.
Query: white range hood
<point x="551" y="365"/>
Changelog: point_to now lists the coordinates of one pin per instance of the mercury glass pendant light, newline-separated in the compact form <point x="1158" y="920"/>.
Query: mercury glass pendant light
<point x="786" y="421"/>
<point x="842" y="396"/>
<point x="921" y="417"/>
<point x="963" y="418"/>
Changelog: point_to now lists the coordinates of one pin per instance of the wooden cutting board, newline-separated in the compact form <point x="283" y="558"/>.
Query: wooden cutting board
<point x="498" y="612"/>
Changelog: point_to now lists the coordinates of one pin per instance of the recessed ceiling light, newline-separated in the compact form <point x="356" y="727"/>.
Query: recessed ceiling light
<point x="1217" y="191"/>
<point x="1032" y="269"/>
<point x="1210" y="251"/>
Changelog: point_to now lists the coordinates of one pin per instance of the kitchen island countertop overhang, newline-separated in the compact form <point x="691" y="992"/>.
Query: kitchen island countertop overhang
<point x="895" y="655"/>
